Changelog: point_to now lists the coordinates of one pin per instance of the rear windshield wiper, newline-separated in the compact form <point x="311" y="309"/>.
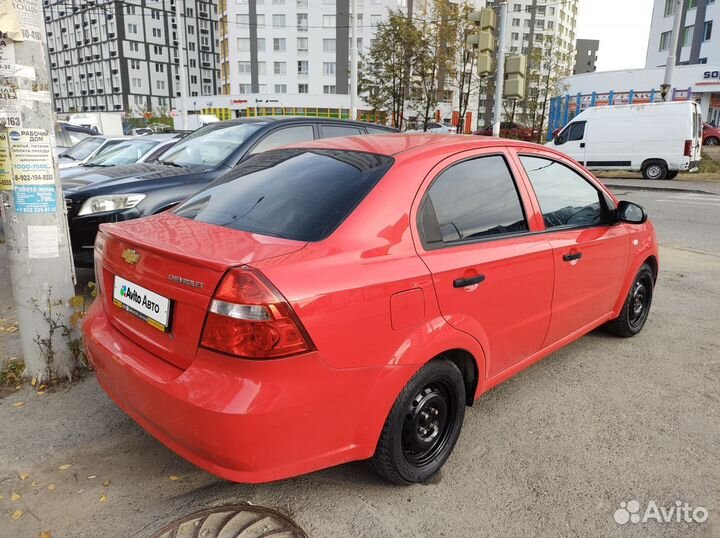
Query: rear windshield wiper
<point x="93" y="165"/>
<point x="68" y="157"/>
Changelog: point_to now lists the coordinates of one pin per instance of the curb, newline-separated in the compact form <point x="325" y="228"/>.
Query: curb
<point x="661" y="189"/>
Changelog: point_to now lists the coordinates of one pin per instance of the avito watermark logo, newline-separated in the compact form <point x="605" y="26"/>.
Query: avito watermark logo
<point x="680" y="512"/>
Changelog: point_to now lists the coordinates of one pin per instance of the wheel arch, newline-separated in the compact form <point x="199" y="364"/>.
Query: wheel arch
<point x="468" y="366"/>
<point x="652" y="261"/>
<point x="653" y="160"/>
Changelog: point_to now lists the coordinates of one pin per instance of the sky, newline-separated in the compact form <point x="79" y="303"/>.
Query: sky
<point x="622" y="26"/>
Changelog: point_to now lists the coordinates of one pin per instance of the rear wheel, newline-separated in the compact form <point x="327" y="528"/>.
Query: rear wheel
<point x="637" y="304"/>
<point x="655" y="170"/>
<point x="423" y="426"/>
<point x="672" y="174"/>
<point x="711" y="141"/>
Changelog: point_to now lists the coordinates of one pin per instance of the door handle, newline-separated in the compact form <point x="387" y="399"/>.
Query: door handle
<point x="572" y="256"/>
<point x="582" y="144"/>
<point x="464" y="282"/>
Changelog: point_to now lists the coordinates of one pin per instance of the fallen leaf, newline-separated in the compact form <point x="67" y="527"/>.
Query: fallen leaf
<point x="81" y="491"/>
<point x="17" y="514"/>
<point x="24" y="476"/>
<point x="45" y="534"/>
<point x="34" y="484"/>
<point x="51" y="487"/>
<point x="103" y="498"/>
<point x="18" y="404"/>
<point x="91" y="476"/>
<point x="106" y="483"/>
<point x="18" y="387"/>
<point x="174" y="477"/>
<point x="40" y="392"/>
<point x="33" y="381"/>
<point x="12" y="330"/>
<point x="42" y="387"/>
<point x="65" y="466"/>
<point x="14" y="496"/>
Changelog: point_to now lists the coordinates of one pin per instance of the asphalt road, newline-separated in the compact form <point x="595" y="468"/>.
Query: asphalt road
<point x="551" y="452"/>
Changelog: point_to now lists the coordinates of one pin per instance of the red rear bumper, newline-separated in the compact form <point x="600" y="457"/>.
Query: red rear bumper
<point x="246" y="421"/>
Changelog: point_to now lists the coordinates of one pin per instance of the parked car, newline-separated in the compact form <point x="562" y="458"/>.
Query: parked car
<point x="87" y="149"/>
<point x="346" y="299"/>
<point x="511" y="130"/>
<point x="67" y="135"/>
<point x="141" y="131"/>
<point x="657" y="139"/>
<point x="136" y="190"/>
<point x="711" y="135"/>
<point x="133" y="150"/>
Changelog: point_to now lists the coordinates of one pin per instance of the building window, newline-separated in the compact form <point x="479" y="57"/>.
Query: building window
<point x="375" y="20"/>
<point x="280" y="88"/>
<point x="134" y="46"/>
<point x="261" y="44"/>
<point x="516" y="23"/>
<point x="157" y="32"/>
<point x="687" y="34"/>
<point x="244" y="88"/>
<point x="158" y="50"/>
<point x="329" y="89"/>
<point x="242" y="20"/>
<point x="243" y="44"/>
<point x="280" y="68"/>
<point x="302" y="22"/>
<point x="279" y="44"/>
<point x="278" y="21"/>
<point x="193" y="79"/>
<point x="136" y="82"/>
<point x="517" y="7"/>
<point x="665" y="41"/>
<point x="515" y="36"/>
<point x="134" y="64"/>
<point x="302" y="66"/>
<point x="159" y="68"/>
<point x="302" y="88"/>
<point x="707" y="31"/>
<point x="328" y="68"/>
<point x="328" y="45"/>
<point x="328" y="21"/>
<point x="302" y="44"/>
<point x="155" y="14"/>
<point x="669" y="7"/>
<point x="244" y="67"/>
<point x="160" y="84"/>
<point x="132" y="29"/>
<point x="692" y="4"/>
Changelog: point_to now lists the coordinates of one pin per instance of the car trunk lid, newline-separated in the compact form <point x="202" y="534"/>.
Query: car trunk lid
<point x="158" y="276"/>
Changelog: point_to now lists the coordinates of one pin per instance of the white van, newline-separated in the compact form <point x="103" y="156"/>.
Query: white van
<point x="658" y="139"/>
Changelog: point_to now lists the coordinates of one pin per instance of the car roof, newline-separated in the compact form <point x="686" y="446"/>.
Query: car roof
<point x="302" y="119"/>
<point x="394" y="144"/>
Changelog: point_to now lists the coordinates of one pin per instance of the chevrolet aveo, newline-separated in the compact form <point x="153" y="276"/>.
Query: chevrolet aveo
<point x="347" y="299"/>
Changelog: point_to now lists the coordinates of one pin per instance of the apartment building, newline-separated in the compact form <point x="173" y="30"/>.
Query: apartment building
<point x="586" y="51"/>
<point x="122" y="55"/>
<point x="277" y="47"/>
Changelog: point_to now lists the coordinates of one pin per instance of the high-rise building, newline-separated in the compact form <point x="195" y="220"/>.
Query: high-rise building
<point x="586" y="51"/>
<point x="276" y="47"/>
<point x="108" y="55"/>
<point x="696" y="42"/>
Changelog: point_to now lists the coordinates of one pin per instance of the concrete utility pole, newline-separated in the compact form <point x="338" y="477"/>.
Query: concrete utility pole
<point x="500" y="76"/>
<point x="353" y="61"/>
<point x="32" y="205"/>
<point x="182" y="57"/>
<point x="672" y="59"/>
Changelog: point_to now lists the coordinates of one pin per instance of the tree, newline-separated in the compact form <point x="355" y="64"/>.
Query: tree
<point x="386" y="69"/>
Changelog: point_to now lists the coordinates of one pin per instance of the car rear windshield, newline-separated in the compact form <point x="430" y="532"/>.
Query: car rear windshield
<point x="299" y="194"/>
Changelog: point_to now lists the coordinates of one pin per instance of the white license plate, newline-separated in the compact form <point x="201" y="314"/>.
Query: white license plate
<point x="143" y="303"/>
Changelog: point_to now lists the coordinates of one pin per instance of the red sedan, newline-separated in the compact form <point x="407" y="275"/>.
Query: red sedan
<point x="711" y="135"/>
<point x="347" y="299"/>
<point x="511" y="130"/>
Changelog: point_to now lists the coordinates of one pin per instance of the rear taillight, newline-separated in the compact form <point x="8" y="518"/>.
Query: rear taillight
<point x="688" y="148"/>
<point x="249" y="318"/>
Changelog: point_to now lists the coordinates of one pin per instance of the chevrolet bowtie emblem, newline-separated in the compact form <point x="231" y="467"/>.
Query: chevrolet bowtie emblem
<point x="130" y="255"/>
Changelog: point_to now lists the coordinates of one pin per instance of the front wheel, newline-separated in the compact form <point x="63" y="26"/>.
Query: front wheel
<point x="423" y="425"/>
<point x="711" y="141"/>
<point x="655" y="170"/>
<point x="636" y="308"/>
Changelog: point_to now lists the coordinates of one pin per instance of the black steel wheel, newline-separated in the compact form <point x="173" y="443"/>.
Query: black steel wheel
<point x="636" y="309"/>
<point x="423" y="425"/>
<point x="711" y="141"/>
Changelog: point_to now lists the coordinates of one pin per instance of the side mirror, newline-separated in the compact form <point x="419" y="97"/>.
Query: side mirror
<point x="630" y="212"/>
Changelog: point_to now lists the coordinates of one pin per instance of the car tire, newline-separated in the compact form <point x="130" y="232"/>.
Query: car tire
<point x="636" y="308"/>
<point x="711" y="141"/>
<point x="423" y="425"/>
<point x="672" y="174"/>
<point x="655" y="170"/>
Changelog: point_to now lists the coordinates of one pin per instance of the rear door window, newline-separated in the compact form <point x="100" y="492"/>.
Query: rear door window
<point x="332" y="131"/>
<point x="474" y="199"/>
<point x="298" y="194"/>
<point x="285" y="136"/>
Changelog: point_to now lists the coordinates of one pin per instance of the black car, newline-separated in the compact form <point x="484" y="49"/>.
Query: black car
<point x="128" y="192"/>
